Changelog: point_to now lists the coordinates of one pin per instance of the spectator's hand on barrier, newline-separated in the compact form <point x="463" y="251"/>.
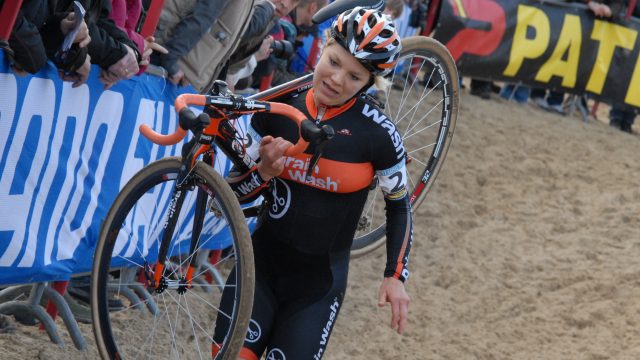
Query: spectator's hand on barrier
<point x="599" y="9"/>
<point x="81" y="74"/>
<point x="127" y="66"/>
<point x="265" y="49"/>
<point x="18" y="70"/>
<point x="178" y="79"/>
<point x="108" y="78"/>
<point x="150" y="45"/>
<point x="82" y="38"/>
<point x="272" y="156"/>
<point x="392" y="291"/>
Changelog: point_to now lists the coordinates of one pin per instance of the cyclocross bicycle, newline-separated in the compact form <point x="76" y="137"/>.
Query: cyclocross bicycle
<point x="159" y="229"/>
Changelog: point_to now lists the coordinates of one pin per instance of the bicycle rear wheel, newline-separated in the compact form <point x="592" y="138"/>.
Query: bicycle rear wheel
<point x="131" y="319"/>
<point x="422" y="101"/>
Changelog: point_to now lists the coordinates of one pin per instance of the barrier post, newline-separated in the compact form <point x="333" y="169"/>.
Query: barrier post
<point x="151" y="21"/>
<point x="432" y="17"/>
<point x="60" y="287"/>
<point x="214" y="257"/>
<point x="630" y="7"/>
<point x="8" y="15"/>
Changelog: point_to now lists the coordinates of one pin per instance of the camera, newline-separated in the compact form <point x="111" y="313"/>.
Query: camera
<point x="282" y="49"/>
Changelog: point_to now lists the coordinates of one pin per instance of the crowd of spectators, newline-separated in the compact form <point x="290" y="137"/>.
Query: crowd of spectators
<point x="105" y="36"/>
<point x="109" y="36"/>
<point x="186" y="47"/>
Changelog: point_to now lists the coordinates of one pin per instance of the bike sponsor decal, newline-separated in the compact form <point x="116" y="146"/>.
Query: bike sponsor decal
<point x="252" y="105"/>
<point x="426" y="176"/>
<point x="324" y="337"/>
<point x="276" y="354"/>
<point x="253" y="332"/>
<point x="248" y="185"/>
<point x="281" y="199"/>
<point x="172" y="207"/>
<point x="416" y="192"/>
<point x="238" y="147"/>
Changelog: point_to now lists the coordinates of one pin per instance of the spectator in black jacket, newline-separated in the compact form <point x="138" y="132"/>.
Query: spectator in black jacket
<point x="110" y="47"/>
<point x="38" y="34"/>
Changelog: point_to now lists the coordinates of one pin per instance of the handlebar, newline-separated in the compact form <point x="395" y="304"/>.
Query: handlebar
<point x="181" y="103"/>
<point x="188" y="120"/>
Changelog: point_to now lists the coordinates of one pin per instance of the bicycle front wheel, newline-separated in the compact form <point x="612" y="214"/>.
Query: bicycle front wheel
<point x="422" y="100"/>
<point x="134" y="319"/>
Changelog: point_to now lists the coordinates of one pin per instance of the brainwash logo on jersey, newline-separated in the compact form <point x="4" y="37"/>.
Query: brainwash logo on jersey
<point x="276" y="354"/>
<point x="281" y="199"/>
<point x="254" y="331"/>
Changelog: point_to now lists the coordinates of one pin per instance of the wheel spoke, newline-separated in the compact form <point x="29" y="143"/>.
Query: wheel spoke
<point x="137" y="224"/>
<point x="422" y="95"/>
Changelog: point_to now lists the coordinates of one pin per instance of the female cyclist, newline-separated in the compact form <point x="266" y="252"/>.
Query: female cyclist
<point x="302" y="241"/>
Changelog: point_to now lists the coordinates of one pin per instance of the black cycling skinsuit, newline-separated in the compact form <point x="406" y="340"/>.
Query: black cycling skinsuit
<point x="302" y="242"/>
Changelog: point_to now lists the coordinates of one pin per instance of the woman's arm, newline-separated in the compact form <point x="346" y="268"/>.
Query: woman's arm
<point x="399" y="227"/>
<point x="399" y="238"/>
<point x="399" y="233"/>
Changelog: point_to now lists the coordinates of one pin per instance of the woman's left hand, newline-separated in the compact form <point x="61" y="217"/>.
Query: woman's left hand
<point x="392" y="291"/>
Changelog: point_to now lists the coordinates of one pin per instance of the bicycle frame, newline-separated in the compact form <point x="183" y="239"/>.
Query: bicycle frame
<point x="215" y="129"/>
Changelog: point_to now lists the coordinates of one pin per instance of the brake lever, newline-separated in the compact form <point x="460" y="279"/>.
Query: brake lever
<point x="326" y="133"/>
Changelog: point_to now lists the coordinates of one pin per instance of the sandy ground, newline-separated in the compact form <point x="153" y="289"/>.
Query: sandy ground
<point x="526" y="248"/>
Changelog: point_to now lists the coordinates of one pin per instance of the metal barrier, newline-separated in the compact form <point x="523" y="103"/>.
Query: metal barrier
<point x="27" y="303"/>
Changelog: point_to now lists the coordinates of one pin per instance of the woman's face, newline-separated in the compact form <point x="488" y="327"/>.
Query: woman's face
<point x="338" y="76"/>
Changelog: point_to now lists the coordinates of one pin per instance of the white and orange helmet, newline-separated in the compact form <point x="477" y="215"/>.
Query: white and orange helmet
<point x="370" y="36"/>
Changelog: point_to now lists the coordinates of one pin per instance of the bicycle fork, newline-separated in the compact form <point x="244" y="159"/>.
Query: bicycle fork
<point x="185" y="180"/>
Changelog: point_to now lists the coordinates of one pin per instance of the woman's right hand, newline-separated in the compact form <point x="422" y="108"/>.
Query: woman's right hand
<point x="272" y="156"/>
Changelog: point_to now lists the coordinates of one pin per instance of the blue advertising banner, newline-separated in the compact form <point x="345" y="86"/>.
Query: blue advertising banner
<point x="64" y="155"/>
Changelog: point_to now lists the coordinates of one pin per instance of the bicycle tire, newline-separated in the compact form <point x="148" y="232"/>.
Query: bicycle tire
<point x="120" y="333"/>
<point x="423" y="56"/>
